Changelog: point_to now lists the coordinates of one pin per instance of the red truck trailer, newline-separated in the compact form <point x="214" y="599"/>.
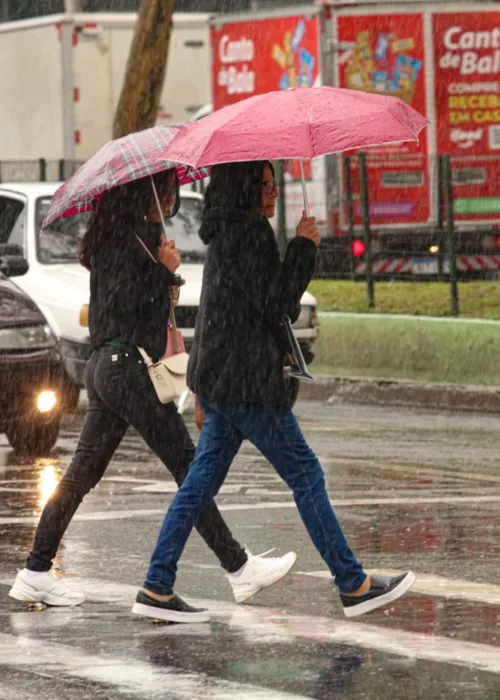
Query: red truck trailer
<point x="444" y="62"/>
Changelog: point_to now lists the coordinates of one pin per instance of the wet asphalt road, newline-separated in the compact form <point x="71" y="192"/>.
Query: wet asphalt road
<point x="412" y="489"/>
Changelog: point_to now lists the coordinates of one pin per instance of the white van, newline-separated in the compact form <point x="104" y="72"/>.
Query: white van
<point x="60" y="285"/>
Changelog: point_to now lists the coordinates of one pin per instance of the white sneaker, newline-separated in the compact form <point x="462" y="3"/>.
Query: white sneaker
<point x="259" y="573"/>
<point x="44" y="588"/>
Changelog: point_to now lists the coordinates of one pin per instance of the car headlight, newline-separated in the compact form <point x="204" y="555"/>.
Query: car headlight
<point x="304" y="320"/>
<point x="46" y="401"/>
<point x="27" y="338"/>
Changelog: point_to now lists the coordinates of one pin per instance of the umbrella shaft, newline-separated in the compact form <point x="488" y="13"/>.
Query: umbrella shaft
<point x="304" y="189"/>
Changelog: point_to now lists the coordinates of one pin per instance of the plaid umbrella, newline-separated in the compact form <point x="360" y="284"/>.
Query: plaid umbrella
<point x="129" y="158"/>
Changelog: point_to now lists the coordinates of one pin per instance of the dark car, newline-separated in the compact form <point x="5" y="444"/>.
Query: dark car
<point x="31" y="369"/>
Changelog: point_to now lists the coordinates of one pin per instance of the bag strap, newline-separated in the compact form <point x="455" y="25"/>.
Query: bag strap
<point x="146" y="248"/>
<point x="149" y="362"/>
<point x="171" y="315"/>
<point x="177" y="347"/>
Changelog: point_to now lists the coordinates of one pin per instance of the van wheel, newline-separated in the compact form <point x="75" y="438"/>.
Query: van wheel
<point x="34" y="437"/>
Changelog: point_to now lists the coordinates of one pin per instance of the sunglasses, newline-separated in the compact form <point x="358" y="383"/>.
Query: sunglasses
<point x="269" y="186"/>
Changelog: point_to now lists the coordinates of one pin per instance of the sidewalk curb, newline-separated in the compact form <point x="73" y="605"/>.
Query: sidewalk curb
<point x="385" y="392"/>
<point x="402" y="392"/>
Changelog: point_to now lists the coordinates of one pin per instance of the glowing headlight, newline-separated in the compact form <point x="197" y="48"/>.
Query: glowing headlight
<point x="46" y="401"/>
<point x="304" y="320"/>
<point x="26" y="338"/>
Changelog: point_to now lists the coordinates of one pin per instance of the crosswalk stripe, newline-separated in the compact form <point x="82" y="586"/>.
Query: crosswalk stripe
<point x="337" y="503"/>
<point x="436" y="586"/>
<point x="346" y="502"/>
<point x="258" y="624"/>
<point x="92" y="516"/>
<point x="127" y="674"/>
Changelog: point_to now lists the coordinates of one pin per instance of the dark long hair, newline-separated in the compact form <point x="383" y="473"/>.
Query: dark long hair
<point x="125" y="209"/>
<point x="236" y="185"/>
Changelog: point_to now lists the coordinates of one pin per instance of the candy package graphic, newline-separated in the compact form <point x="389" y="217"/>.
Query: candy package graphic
<point x="299" y="69"/>
<point x="380" y="62"/>
<point x="382" y="47"/>
<point x="297" y="63"/>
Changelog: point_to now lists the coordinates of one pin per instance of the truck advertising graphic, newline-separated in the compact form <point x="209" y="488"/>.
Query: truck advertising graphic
<point x="467" y="94"/>
<point x="388" y="58"/>
<point x="250" y="58"/>
<point x="253" y="57"/>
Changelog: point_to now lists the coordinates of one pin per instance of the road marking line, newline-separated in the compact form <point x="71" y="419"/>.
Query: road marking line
<point x="128" y="674"/>
<point x="436" y="586"/>
<point x="261" y="625"/>
<point x="415" y="469"/>
<point x="171" y="487"/>
<point x="345" y="502"/>
<point x="97" y="516"/>
<point x="342" y="503"/>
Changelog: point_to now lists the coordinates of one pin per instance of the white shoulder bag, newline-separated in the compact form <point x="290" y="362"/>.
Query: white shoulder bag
<point x="168" y="375"/>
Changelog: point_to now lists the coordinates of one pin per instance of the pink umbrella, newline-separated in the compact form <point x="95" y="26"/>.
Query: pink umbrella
<point x="296" y="123"/>
<point x="129" y="158"/>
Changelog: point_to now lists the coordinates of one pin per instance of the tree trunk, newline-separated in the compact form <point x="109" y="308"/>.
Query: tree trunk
<point x="147" y="63"/>
<point x="71" y="6"/>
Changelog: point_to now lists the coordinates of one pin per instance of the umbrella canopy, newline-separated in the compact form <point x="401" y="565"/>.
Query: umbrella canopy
<point x="296" y="123"/>
<point x="120" y="161"/>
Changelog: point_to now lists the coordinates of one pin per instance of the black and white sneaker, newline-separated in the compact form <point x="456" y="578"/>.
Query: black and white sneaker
<point x="383" y="590"/>
<point x="173" y="610"/>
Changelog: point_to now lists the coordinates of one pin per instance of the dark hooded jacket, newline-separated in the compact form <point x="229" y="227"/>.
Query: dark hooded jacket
<point x="129" y="292"/>
<point x="237" y="355"/>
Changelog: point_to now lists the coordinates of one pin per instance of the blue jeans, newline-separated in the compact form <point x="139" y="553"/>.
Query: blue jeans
<point x="276" y="434"/>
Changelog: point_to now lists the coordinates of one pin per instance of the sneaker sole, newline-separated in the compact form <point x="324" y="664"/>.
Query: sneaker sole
<point x="382" y="600"/>
<point x="169" y="615"/>
<point x="243" y="596"/>
<point x="27" y="597"/>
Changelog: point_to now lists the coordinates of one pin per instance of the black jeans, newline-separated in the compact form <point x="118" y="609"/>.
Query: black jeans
<point x="120" y="394"/>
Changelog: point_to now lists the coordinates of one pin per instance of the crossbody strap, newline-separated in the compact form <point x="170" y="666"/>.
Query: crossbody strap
<point x="149" y="362"/>
<point x="146" y="248"/>
<point x="172" y="312"/>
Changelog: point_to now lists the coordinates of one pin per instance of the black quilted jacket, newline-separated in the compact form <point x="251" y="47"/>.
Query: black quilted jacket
<point x="237" y="356"/>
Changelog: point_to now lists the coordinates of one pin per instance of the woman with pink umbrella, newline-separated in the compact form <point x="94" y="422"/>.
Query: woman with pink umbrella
<point x="236" y="369"/>
<point x="248" y="297"/>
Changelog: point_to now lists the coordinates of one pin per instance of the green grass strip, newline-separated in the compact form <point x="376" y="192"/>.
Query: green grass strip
<point x="362" y="345"/>
<point x="476" y="299"/>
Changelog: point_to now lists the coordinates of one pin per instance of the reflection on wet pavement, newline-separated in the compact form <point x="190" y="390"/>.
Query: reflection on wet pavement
<point x="412" y="489"/>
<point x="47" y="481"/>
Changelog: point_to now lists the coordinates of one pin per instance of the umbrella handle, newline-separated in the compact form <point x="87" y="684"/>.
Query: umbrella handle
<point x="304" y="189"/>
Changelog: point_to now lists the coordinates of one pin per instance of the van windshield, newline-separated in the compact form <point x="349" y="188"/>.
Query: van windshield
<point x="60" y="242"/>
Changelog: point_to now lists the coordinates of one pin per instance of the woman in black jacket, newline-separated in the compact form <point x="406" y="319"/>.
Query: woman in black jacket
<point x="132" y="283"/>
<point x="236" y="369"/>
